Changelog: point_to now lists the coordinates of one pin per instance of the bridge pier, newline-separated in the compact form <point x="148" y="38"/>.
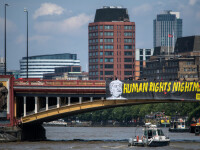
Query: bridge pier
<point x="24" y="133"/>
<point x="36" y="105"/>
<point x="58" y="102"/>
<point x="69" y="101"/>
<point x="33" y="132"/>
<point x="24" y="106"/>
<point x="47" y="103"/>
<point x="80" y="100"/>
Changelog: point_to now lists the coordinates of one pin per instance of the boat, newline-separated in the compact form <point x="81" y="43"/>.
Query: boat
<point x="178" y="124"/>
<point x="195" y="127"/>
<point x="152" y="137"/>
<point x="57" y="123"/>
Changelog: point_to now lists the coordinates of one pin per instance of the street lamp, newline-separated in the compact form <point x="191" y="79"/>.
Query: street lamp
<point x="5" y="40"/>
<point x="25" y="10"/>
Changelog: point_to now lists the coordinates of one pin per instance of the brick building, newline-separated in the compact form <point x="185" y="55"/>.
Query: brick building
<point x="184" y="64"/>
<point x="111" y="45"/>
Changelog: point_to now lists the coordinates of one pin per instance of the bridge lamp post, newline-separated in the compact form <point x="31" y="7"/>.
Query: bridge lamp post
<point x="5" y="41"/>
<point x="25" y="10"/>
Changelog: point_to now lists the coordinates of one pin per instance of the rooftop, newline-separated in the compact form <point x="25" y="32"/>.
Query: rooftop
<point x="111" y="14"/>
<point x="54" y="56"/>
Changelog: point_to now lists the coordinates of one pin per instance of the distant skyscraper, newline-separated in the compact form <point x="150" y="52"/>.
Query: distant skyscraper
<point x="167" y="26"/>
<point x="111" y="44"/>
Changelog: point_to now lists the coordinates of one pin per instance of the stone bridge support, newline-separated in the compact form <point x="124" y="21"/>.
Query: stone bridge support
<point x="33" y="132"/>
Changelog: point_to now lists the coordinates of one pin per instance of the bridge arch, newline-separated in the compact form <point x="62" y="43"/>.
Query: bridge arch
<point x="67" y="110"/>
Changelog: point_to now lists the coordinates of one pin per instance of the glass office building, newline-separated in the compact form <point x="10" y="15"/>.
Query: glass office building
<point x="166" y="24"/>
<point x="42" y="64"/>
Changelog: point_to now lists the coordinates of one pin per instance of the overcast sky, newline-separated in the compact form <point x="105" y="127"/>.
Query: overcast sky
<point x="61" y="26"/>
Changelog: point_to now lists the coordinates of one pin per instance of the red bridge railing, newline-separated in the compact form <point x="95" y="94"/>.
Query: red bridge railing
<point x="41" y="82"/>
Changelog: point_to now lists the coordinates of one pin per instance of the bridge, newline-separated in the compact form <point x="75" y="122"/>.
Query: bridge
<point x="34" y="101"/>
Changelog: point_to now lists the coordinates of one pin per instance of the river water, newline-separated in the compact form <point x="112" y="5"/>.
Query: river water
<point x="100" y="138"/>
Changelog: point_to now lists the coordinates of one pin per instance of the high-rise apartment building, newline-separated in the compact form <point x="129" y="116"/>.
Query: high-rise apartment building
<point x="167" y="27"/>
<point x="111" y="44"/>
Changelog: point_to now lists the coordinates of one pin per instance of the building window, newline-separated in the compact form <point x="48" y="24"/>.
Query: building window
<point x="101" y="33"/>
<point x="108" y="33"/>
<point x="148" y="52"/>
<point x="141" y="63"/>
<point x="101" y="53"/>
<point x="127" y="46"/>
<point x="101" y="72"/>
<point x="109" y="53"/>
<point x="108" y="46"/>
<point x="127" y="53"/>
<point x="148" y="58"/>
<point x="127" y="66"/>
<point x="101" y="66"/>
<point x="90" y="28"/>
<point x="108" y="40"/>
<point x="128" y="40"/>
<point x="96" y="40"/>
<point x="127" y="59"/>
<point x="108" y="27"/>
<point x="127" y="72"/>
<point x="108" y="66"/>
<point x="108" y="72"/>
<point x="127" y="33"/>
<point x="127" y="27"/>
<point x="108" y="59"/>
<point x="101" y="46"/>
<point x="141" y="57"/>
<point x="101" y="40"/>
<point x="96" y="27"/>
<point x="101" y="59"/>
<point x="141" y="51"/>
<point x="101" y="27"/>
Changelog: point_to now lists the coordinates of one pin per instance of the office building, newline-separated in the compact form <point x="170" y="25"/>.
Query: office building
<point x="141" y="56"/>
<point x="167" y="27"/>
<point x="111" y="44"/>
<point x="67" y="73"/>
<point x="183" y="65"/>
<point x="42" y="64"/>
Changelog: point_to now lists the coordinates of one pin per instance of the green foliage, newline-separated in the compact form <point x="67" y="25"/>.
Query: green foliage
<point x="127" y="113"/>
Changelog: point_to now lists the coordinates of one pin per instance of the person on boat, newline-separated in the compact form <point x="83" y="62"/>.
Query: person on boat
<point x="115" y="88"/>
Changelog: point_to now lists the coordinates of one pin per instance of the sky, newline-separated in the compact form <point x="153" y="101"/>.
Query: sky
<point x="61" y="26"/>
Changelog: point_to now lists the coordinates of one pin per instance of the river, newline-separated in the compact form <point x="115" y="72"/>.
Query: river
<point x="100" y="138"/>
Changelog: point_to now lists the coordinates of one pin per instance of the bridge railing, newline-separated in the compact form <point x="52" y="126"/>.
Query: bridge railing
<point x="41" y="82"/>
